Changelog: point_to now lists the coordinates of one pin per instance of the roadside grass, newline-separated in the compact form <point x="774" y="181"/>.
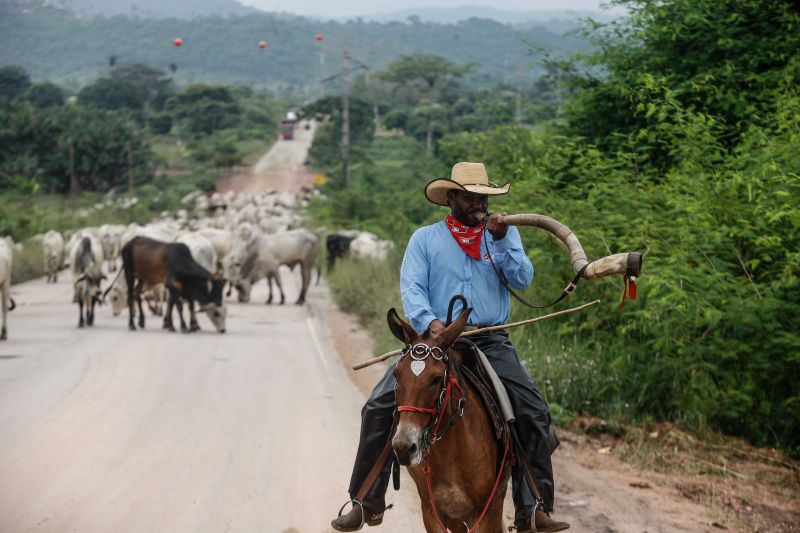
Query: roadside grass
<point x="368" y="289"/>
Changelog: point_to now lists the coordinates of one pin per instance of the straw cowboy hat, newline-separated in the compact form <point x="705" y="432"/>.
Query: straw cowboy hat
<point x="470" y="177"/>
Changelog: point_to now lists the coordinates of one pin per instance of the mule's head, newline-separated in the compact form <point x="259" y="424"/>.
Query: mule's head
<point x="422" y="373"/>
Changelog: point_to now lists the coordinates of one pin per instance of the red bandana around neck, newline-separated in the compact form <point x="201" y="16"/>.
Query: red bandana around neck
<point x="468" y="238"/>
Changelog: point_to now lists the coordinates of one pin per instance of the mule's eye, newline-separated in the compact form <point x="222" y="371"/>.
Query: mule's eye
<point x="436" y="382"/>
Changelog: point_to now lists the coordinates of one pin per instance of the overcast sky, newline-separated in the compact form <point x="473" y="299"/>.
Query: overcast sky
<point x="344" y="8"/>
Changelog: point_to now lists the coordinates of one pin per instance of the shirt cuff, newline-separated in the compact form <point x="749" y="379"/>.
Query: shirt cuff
<point x="503" y="244"/>
<point x="424" y="321"/>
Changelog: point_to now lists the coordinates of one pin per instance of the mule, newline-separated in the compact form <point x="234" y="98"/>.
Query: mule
<point x="444" y="434"/>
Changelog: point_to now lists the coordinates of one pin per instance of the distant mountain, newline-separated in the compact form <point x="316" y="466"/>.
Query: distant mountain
<point x="52" y="43"/>
<point x="558" y="20"/>
<point x="180" y="9"/>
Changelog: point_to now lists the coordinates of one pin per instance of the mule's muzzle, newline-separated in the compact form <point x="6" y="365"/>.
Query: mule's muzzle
<point x="405" y="452"/>
<point x="407" y="444"/>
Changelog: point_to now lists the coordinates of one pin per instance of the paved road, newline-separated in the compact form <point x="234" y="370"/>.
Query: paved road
<point x="279" y="169"/>
<point x="107" y="430"/>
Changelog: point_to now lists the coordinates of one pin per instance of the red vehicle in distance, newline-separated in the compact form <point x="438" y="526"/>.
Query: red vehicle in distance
<point x="287" y="130"/>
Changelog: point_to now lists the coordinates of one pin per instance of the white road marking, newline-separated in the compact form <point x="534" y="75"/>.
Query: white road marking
<point x="320" y="353"/>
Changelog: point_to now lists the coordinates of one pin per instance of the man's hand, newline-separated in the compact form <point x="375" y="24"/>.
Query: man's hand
<point x="496" y="226"/>
<point x="436" y="326"/>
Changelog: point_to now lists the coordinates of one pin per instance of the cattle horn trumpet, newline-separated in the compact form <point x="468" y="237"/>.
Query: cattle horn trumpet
<point x="626" y="264"/>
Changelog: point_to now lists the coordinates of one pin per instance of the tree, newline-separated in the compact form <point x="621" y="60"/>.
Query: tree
<point x="423" y="79"/>
<point x="111" y="94"/>
<point x="14" y="80"/>
<point x="724" y="58"/>
<point x="45" y="94"/>
<point x="205" y="108"/>
<point x="150" y="83"/>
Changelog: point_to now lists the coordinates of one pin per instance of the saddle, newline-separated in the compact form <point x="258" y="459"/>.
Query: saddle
<point x="477" y="370"/>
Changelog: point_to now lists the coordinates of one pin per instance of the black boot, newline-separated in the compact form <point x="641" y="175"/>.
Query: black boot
<point x="353" y="521"/>
<point x="544" y="524"/>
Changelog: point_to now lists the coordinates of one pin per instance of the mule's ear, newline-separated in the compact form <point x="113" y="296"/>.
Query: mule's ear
<point x="399" y="327"/>
<point x="449" y="335"/>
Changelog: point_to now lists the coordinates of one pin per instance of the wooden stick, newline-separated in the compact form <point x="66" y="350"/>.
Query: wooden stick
<point x="489" y="329"/>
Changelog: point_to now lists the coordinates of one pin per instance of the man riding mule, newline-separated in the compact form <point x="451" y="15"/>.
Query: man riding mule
<point x="457" y="256"/>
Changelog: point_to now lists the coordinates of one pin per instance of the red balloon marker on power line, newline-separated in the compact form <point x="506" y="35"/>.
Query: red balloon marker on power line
<point x="319" y="37"/>
<point x="262" y="44"/>
<point x="178" y="41"/>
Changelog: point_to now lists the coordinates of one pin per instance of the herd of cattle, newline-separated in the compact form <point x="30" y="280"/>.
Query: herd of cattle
<point x="189" y="257"/>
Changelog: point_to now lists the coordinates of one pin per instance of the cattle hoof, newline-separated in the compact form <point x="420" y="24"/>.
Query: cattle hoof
<point x="141" y="324"/>
<point x="3" y="335"/>
<point x="131" y="327"/>
<point x="80" y="324"/>
<point x="194" y="327"/>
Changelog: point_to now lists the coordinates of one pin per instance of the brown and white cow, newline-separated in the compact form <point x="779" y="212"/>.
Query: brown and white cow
<point x="148" y="262"/>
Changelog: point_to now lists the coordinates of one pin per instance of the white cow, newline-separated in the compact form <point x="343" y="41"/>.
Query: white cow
<point x="6" y="253"/>
<point x="368" y="246"/>
<point x="267" y="252"/>
<point x="201" y="248"/>
<point x="222" y="241"/>
<point x="110" y="235"/>
<point x="53" y="248"/>
<point x="85" y="260"/>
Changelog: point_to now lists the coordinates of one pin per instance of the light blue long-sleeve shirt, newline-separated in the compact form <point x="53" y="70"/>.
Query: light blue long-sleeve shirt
<point x="435" y="269"/>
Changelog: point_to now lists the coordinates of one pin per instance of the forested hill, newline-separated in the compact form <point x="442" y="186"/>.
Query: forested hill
<point x="52" y="43"/>
<point x="158" y="8"/>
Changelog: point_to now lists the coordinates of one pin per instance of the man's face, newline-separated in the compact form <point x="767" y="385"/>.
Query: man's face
<point x="468" y="207"/>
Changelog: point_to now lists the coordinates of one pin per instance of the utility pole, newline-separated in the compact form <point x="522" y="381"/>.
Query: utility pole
<point x="346" y="115"/>
<point x="345" y="75"/>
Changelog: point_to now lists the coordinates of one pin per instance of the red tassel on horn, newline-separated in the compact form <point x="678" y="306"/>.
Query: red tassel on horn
<point x="629" y="290"/>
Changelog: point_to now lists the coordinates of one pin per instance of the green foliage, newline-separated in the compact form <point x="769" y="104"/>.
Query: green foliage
<point x="150" y="83"/>
<point x="45" y="94"/>
<point x="725" y="59"/>
<point x="14" y="80"/>
<point x="111" y="94"/>
<point x="50" y="146"/>
<point x="204" y="109"/>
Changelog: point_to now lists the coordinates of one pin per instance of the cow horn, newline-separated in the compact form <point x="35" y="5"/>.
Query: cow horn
<point x="627" y="264"/>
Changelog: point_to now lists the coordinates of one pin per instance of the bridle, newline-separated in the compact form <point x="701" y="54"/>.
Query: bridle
<point x="450" y="389"/>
